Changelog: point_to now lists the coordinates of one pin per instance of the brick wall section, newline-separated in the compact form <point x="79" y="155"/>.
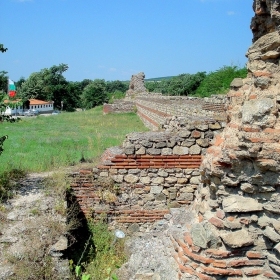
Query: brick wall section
<point x="154" y="108"/>
<point x="219" y="263"/>
<point x="148" y="161"/>
<point x="150" y="173"/>
<point x="139" y="196"/>
<point x="158" y="108"/>
<point x="119" y="106"/>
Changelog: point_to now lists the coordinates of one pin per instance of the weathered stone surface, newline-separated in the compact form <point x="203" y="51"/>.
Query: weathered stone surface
<point x="178" y="150"/>
<point x="195" y="150"/>
<point x="156" y="189"/>
<point x="145" y="180"/>
<point x="131" y="178"/>
<point x="203" y="236"/>
<point x="236" y="83"/>
<point x="247" y="188"/>
<point x="166" y="151"/>
<point x="255" y="111"/>
<point x="195" y="180"/>
<point x="236" y="203"/>
<point x="137" y="84"/>
<point x="203" y="142"/>
<point x="237" y="239"/>
<point x="271" y="234"/>
<point x="158" y="180"/>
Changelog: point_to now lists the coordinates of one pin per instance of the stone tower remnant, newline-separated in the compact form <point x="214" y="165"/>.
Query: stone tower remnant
<point x="137" y="84"/>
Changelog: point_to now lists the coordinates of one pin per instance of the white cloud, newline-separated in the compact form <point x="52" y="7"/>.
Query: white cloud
<point x="231" y="13"/>
<point x="112" y="69"/>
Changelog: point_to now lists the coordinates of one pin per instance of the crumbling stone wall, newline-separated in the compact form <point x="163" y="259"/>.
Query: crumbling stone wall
<point x="238" y="203"/>
<point x="155" y="109"/>
<point x="119" y="106"/>
<point x="136" y="184"/>
<point x="136" y="85"/>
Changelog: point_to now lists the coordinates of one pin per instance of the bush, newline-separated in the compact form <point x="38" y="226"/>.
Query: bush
<point x="218" y="82"/>
<point x="9" y="182"/>
<point x="106" y="254"/>
<point x="115" y="95"/>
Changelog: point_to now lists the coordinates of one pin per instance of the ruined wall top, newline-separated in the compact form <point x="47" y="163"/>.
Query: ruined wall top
<point x="137" y="84"/>
<point x="263" y="55"/>
<point x="266" y="19"/>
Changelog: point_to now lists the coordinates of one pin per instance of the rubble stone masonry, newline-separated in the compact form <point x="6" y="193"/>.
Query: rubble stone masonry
<point x="234" y="193"/>
<point x="238" y="201"/>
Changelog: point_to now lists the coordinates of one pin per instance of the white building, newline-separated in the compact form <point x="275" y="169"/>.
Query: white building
<point x="13" y="110"/>
<point x="41" y="106"/>
<point x="33" y="104"/>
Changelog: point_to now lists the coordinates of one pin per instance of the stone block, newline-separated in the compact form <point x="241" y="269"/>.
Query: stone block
<point x="195" y="150"/>
<point x="131" y="178"/>
<point x="237" y="239"/>
<point x="145" y="180"/>
<point x="162" y="173"/>
<point x="166" y="151"/>
<point x="271" y="234"/>
<point x="153" y="151"/>
<point x="236" y="203"/>
<point x="195" y="180"/>
<point x="179" y="150"/>
<point x="202" y="142"/>
<point x="158" y="180"/>
<point x="156" y="189"/>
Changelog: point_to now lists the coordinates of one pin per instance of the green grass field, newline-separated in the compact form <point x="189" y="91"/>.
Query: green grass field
<point x="46" y="143"/>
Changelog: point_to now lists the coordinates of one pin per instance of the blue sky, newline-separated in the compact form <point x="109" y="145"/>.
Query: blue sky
<point x="113" y="39"/>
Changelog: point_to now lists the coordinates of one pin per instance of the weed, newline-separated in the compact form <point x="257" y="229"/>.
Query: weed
<point x="9" y="182"/>
<point x="103" y="259"/>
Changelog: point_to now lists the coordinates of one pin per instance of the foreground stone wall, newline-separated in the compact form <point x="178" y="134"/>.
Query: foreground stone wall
<point x="238" y="201"/>
<point x="136" y="184"/>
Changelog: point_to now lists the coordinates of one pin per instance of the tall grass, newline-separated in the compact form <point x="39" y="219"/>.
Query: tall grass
<point x="45" y="143"/>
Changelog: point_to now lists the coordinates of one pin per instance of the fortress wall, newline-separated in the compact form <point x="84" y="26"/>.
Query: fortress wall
<point x="154" y="109"/>
<point x="135" y="185"/>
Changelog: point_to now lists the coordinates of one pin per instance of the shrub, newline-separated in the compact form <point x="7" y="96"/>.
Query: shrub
<point x="9" y="182"/>
<point x="105" y="254"/>
<point x="218" y="82"/>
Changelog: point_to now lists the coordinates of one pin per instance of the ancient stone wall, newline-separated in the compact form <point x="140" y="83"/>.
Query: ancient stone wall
<point x="119" y="106"/>
<point x="136" y="184"/>
<point x="155" y="109"/>
<point x="238" y="201"/>
<point x="137" y="84"/>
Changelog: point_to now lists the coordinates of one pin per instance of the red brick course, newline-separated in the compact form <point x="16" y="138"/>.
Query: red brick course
<point x="148" y="161"/>
<point x="220" y="264"/>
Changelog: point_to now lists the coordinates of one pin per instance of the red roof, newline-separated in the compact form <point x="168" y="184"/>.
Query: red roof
<point x="39" y="102"/>
<point x="32" y="101"/>
<point x="12" y="101"/>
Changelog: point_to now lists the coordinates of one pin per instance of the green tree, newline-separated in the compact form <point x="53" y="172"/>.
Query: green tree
<point x="113" y="86"/>
<point x="50" y="84"/>
<point x="94" y="94"/>
<point x="84" y="83"/>
<point x="218" y="82"/>
<point x="20" y="82"/>
<point x="3" y="81"/>
<point x="34" y="87"/>
<point x="2" y="48"/>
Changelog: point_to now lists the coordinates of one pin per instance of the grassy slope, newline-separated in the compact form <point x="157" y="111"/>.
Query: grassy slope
<point x="45" y="143"/>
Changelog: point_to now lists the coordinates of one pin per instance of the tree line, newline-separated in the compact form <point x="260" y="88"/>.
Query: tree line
<point x="200" y="84"/>
<point x="50" y="84"/>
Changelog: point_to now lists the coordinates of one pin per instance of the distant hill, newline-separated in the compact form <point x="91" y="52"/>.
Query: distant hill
<point x="158" y="79"/>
